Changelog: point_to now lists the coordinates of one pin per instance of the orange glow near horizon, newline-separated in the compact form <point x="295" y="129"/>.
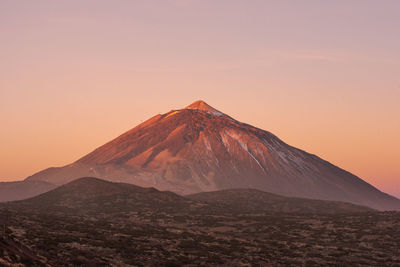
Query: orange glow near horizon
<point x="319" y="76"/>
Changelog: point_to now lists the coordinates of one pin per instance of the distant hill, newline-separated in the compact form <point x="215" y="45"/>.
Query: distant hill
<point x="96" y="195"/>
<point x="93" y="194"/>
<point x="252" y="200"/>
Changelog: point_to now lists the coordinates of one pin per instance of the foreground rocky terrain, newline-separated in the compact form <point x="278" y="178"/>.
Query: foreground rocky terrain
<point x="91" y="222"/>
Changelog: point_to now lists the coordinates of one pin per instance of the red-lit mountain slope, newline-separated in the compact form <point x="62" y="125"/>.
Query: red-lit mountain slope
<point x="199" y="148"/>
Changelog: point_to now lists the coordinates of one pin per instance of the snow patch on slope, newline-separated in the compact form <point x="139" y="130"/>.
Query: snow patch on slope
<point x="215" y="113"/>
<point x="288" y="159"/>
<point x="236" y="137"/>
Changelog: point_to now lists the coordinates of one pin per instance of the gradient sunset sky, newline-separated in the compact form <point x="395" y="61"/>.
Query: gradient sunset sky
<point x="324" y="76"/>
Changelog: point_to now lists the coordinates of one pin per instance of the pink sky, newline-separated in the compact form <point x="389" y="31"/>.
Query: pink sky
<point x="323" y="76"/>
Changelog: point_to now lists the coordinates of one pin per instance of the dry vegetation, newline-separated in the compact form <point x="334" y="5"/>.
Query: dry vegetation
<point x="187" y="232"/>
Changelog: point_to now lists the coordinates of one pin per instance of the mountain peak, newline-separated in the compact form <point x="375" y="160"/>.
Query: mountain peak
<point x="200" y="105"/>
<point x="203" y="106"/>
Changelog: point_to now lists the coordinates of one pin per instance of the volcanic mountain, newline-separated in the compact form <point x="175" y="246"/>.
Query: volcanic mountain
<point x="199" y="149"/>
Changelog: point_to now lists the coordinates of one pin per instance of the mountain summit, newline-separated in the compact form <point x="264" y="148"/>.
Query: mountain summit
<point x="201" y="105"/>
<point x="199" y="149"/>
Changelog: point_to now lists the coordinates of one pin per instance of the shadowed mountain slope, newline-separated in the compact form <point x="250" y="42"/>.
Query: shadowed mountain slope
<point x="10" y="191"/>
<point x="252" y="200"/>
<point x="199" y="149"/>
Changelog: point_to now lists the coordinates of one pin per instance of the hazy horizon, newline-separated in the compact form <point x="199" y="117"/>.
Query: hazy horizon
<point x="323" y="77"/>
